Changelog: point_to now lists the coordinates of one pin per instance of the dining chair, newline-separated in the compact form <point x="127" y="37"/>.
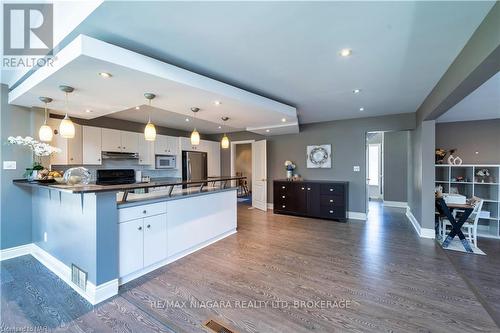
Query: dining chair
<point x="470" y="225"/>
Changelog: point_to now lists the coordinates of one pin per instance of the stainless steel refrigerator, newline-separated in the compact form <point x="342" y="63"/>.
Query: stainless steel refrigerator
<point x="194" y="166"/>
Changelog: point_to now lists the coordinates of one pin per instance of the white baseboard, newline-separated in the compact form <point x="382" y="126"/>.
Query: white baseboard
<point x="422" y="232"/>
<point x="16" y="251"/>
<point x="398" y="204"/>
<point x="270" y="206"/>
<point x="93" y="294"/>
<point x="173" y="258"/>
<point x="356" y="216"/>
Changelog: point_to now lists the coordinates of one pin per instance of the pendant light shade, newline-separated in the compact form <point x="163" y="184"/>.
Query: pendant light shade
<point x="195" y="138"/>
<point x="195" y="135"/>
<point x="45" y="132"/>
<point x="224" y="143"/>
<point x="150" y="132"/>
<point x="67" y="128"/>
<point x="150" y="129"/>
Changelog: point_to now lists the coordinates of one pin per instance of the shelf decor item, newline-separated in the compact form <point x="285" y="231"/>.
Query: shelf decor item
<point x="454" y="160"/>
<point x="440" y="155"/>
<point x="289" y="166"/>
<point x="319" y="156"/>
<point x="78" y="175"/>
<point x="38" y="149"/>
<point x="483" y="175"/>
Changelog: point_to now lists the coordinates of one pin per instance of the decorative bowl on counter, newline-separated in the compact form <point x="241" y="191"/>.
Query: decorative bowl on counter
<point x="76" y="176"/>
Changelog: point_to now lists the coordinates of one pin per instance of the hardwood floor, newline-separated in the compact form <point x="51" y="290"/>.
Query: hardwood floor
<point x="393" y="281"/>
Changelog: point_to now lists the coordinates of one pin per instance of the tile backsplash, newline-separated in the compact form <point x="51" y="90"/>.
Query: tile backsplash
<point x="124" y="164"/>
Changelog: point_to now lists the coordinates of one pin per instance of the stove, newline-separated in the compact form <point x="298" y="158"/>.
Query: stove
<point x="115" y="176"/>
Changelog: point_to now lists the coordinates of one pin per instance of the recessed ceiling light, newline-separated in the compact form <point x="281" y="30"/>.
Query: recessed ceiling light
<point x="105" y="75"/>
<point x="137" y="107"/>
<point x="187" y="119"/>
<point x="217" y="102"/>
<point x="220" y="127"/>
<point x="361" y="109"/>
<point x="356" y="91"/>
<point x="345" y="52"/>
<point x="283" y="120"/>
<point x="88" y="111"/>
<point x="268" y="130"/>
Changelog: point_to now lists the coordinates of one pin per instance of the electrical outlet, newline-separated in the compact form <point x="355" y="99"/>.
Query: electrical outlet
<point x="9" y="165"/>
<point x="356" y="168"/>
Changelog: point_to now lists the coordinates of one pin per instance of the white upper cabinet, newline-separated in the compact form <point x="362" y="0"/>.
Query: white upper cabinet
<point x="146" y="152"/>
<point x="130" y="142"/>
<point x="111" y="140"/>
<point x="71" y="149"/>
<point x="166" y="145"/>
<point x="120" y="141"/>
<point x="92" y="145"/>
<point x="186" y="145"/>
<point x="213" y="159"/>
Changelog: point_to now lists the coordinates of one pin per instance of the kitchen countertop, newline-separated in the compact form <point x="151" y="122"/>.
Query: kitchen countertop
<point x="94" y="188"/>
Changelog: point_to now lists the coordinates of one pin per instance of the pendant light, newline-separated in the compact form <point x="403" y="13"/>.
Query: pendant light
<point x="45" y="132"/>
<point x="150" y="129"/>
<point x="195" y="136"/>
<point x="67" y="128"/>
<point x="224" y="143"/>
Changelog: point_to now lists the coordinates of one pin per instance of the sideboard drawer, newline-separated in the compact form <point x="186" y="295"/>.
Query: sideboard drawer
<point x="331" y="200"/>
<point x="337" y="212"/>
<point x="332" y="189"/>
<point x="137" y="212"/>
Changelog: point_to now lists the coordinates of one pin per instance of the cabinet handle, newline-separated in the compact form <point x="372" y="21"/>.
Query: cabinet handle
<point x="119" y="146"/>
<point x="331" y="212"/>
<point x="71" y="159"/>
<point x="308" y="188"/>
<point x="99" y="159"/>
<point x="303" y="189"/>
<point x="283" y="196"/>
<point x="331" y="190"/>
<point x="124" y="147"/>
<point x="282" y="187"/>
<point x="331" y="200"/>
<point x="283" y="206"/>
<point x="148" y="226"/>
<point x="139" y="228"/>
<point x="144" y="211"/>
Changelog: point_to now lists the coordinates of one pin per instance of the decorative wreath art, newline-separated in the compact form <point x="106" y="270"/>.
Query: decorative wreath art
<point x="319" y="156"/>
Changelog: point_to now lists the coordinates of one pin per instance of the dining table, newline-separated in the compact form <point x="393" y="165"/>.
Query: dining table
<point x="446" y="209"/>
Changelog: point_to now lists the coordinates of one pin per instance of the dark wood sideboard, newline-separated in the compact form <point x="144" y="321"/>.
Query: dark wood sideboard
<point x="321" y="199"/>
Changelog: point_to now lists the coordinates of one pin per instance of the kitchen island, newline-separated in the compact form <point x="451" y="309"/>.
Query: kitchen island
<point x="98" y="237"/>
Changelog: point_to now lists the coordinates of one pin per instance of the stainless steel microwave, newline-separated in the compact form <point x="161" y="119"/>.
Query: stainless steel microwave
<point x="165" y="161"/>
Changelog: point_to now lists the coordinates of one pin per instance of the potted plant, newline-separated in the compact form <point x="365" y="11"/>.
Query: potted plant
<point x="289" y="166"/>
<point x="39" y="150"/>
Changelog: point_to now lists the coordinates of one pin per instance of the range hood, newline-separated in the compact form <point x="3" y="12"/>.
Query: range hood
<point x="111" y="155"/>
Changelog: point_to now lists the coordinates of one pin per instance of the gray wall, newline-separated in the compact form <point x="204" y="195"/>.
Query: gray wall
<point x="469" y="137"/>
<point x="396" y="166"/>
<point x="15" y="202"/>
<point x="347" y="138"/>
<point x="421" y="173"/>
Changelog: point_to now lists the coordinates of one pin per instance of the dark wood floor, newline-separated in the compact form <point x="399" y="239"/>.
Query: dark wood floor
<point x="393" y="280"/>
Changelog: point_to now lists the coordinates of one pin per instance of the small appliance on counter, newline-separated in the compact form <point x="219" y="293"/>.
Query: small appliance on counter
<point x="115" y="176"/>
<point x="165" y="161"/>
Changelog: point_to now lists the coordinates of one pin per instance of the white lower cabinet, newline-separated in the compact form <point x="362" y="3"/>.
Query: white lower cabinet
<point x="142" y="242"/>
<point x="155" y="239"/>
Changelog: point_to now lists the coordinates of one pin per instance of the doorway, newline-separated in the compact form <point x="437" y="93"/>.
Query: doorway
<point x="249" y="159"/>
<point x="374" y="166"/>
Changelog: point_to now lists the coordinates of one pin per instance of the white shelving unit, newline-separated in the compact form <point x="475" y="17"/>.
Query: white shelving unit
<point x="489" y="191"/>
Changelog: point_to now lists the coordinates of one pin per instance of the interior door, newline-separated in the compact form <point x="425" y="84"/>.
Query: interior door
<point x="375" y="171"/>
<point x="259" y="175"/>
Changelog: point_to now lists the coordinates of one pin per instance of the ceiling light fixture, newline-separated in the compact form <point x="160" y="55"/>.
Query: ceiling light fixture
<point x="345" y="52"/>
<point x="105" y="75"/>
<point x="187" y="120"/>
<point x="137" y="107"/>
<point x="283" y="120"/>
<point x="150" y="129"/>
<point x="217" y="103"/>
<point x="88" y="111"/>
<point x="67" y="128"/>
<point x="224" y="143"/>
<point x="268" y="130"/>
<point x="195" y="135"/>
<point x="361" y="109"/>
<point x="45" y="132"/>
<point x="356" y="91"/>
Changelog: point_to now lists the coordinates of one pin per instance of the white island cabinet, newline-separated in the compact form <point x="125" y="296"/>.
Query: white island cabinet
<point x="155" y="234"/>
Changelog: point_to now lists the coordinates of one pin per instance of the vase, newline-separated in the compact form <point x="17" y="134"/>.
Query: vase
<point x="33" y="175"/>
<point x="289" y="174"/>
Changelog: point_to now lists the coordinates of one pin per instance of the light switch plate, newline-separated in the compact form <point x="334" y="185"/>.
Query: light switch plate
<point x="9" y="165"/>
<point x="356" y="168"/>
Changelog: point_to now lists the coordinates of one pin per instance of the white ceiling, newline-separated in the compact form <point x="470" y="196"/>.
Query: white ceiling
<point x="288" y="51"/>
<point x="133" y="74"/>
<point x="483" y="103"/>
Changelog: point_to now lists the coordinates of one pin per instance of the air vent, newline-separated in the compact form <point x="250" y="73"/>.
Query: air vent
<point x="216" y="327"/>
<point x="79" y="277"/>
